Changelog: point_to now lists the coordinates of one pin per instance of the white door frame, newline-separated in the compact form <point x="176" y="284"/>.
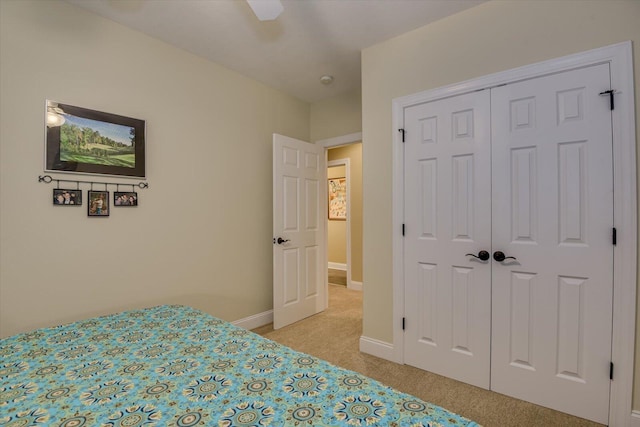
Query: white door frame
<point x="619" y="58"/>
<point x="331" y="143"/>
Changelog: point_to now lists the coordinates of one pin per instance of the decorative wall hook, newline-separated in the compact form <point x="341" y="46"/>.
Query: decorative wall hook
<point x="47" y="179"/>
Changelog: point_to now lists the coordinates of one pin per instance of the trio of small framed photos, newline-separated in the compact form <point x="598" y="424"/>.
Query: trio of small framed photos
<point x="98" y="201"/>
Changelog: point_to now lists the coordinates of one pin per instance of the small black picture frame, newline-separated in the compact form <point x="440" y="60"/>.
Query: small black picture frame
<point x="98" y="203"/>
<point x="64" y="197"/>
<point x="125" y="199"/>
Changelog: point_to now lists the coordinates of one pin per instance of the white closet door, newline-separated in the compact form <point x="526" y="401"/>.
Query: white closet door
<point x="447" y="215"/>
<point x="553" y="211"/>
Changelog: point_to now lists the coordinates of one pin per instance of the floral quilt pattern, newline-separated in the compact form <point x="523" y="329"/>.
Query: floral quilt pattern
<point x="177" y="366"/>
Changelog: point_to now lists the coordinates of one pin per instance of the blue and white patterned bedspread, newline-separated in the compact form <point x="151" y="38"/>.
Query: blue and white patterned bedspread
<point x="176" y="366"/>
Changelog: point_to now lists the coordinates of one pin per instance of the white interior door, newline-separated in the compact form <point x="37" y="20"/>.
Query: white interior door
<point x="299" y="265"/>
<point x="448" y="215"/>
<point x="553" y="211"/>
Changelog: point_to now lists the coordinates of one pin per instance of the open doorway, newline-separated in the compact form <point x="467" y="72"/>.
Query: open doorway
<point x="338" y="219"/>
<point x="341" y="316"/>
<point x="344" y="215"/>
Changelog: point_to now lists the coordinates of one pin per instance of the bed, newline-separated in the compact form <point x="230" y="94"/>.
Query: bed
<point x="177" y="366"/>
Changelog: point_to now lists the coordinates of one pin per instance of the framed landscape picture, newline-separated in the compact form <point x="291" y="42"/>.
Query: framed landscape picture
<point x="86" y="141"/>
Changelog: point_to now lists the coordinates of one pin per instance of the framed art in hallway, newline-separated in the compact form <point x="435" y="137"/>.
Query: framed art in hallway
<point x="337" y="199"/>
<point x="80" y="140"/>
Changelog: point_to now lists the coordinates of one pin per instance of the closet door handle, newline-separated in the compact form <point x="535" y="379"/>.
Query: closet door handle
<point x="500" y="256"/>
<point x="482" y="255"/>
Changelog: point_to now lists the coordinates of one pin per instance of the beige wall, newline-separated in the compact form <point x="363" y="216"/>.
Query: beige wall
<point x="202" y="233"/>
<point x="337" y="116"/>
<point x="353" y="152"/>
<point x="336" y="230"/>
<point x="331" y="118"/>
<point x="491" y="37"/>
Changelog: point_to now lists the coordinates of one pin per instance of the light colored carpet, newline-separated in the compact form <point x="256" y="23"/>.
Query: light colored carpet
<point x="334" y="336"/>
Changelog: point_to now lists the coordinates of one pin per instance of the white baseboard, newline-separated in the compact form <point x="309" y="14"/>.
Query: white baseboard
<point x="337" y="266"/>
<point x="377" y="348"/>
<point x="356" y="286"/>
<point x="255" y="321"/>
<point x="635" y="419"/>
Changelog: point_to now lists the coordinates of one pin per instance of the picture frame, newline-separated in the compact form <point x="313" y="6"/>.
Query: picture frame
<point x="98" y="203"/>
<point x="64" y="197"/>
<point x="337" y="204"/>
<point x="85" y="141"/>
<point x="125" y="199"/>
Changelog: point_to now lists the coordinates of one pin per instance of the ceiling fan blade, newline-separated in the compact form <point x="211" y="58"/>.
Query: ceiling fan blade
<point x="266" y="10"/>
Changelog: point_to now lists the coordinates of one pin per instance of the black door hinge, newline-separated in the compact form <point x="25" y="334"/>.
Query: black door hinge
<point x="614" y="236"/>
<point x="403" y="229"/>
<point x="402" y="130"/>
<point x="611" y="371"/>
<point x="403" y="323"/>
<point x="610" y="93"/>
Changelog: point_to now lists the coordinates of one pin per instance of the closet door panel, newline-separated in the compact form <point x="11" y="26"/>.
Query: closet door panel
<point x="552" y="197"/>
<point x="447" y="215"/>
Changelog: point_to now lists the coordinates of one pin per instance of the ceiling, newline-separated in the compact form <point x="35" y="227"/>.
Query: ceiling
<point x="311" y="38"/>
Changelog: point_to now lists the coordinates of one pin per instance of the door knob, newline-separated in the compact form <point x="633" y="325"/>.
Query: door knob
<point x="280" y="240"/>
<point x="499" y="256"/>
<point x="482" y="255"/>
